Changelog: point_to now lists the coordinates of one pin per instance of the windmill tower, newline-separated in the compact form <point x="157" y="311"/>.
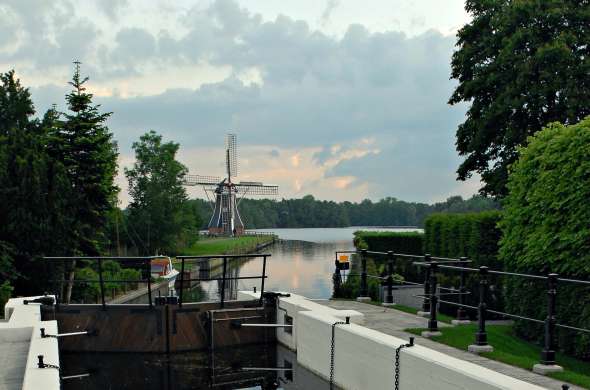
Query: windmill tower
<point x="226" y="195"/>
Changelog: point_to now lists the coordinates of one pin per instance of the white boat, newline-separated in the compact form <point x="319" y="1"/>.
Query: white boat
<point x="162" y="268"/>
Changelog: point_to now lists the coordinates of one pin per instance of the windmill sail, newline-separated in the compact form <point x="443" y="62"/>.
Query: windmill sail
<point x="231" y="155"/>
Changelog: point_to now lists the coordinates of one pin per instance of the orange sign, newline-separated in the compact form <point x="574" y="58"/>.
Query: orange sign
<point x="343" y="258"/>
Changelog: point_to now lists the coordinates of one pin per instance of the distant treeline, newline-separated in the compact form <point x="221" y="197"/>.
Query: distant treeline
<point x="310" y="212"/>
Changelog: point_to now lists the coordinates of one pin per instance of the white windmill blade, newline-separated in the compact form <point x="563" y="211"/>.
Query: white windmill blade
<point x="256" y="188"/>
<point x="198" y="180"/>
<point x="231" y="155"/>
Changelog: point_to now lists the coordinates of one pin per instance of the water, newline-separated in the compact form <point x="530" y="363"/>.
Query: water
<point x="303" y="261"/>
<point x="226" y="369"/>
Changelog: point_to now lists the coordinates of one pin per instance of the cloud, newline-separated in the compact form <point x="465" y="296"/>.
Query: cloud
<point x="364" y="111"/>
<point x="331" y="5"/>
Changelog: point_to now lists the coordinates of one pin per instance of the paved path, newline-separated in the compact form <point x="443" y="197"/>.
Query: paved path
<point x="393" y="322"/>
<point x="13" y="359"/>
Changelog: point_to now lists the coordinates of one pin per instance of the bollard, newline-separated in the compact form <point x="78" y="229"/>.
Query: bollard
<point x="389" y="296"/>
<point x="364" y="291"/>
<point x="425" y="312"/>
<point x="40" y="362"/>
<point x="433" y="299"/>
<point x="548" y="363"/>
<point x="481" y="336"/>
<point x="462" y="317"/>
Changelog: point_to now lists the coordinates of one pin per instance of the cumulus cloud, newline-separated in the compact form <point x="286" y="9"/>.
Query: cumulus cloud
<point x="274" y="82"/>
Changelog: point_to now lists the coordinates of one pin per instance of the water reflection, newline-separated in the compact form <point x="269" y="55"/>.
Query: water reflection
<point x="249" y="367"/>
<point x="301" y="263"/>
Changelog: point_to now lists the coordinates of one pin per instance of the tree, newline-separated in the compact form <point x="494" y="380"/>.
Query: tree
<point x="520" y="65"/>
<point x="34" y="219"/>
<point x="83" y="142"/>
<point x="545" y="229"/>
<point x="159" y="212"/>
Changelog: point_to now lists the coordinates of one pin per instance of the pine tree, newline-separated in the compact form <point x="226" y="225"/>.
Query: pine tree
<point x="84" y="144"/>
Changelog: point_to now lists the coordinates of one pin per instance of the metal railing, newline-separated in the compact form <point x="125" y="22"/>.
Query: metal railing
<point x="224" y="276"/>
<point x="144" y="263"/>
<point x="431" y="296"/>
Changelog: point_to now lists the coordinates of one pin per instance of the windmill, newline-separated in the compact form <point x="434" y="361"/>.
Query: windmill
<point x="227" y="195"/>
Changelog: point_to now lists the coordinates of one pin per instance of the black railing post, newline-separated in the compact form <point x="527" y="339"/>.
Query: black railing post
<point x="389" y="296"/>
<point x="223" y="282"/>
<point x="462" y="317"/>
<point x="481" y="336"/>
<point x="432" y="322"/>
<point x="101" y="283"/>
<point x="426" y="302"/>
<point x="181" y="282"/>
<point x="263" y="279"/>
<point x="548" y="363"/>
<point x="148" y="267"/>
<point x="548" y="353"/>
<point x="336" y="278"/>
<point x="364" y="291"/>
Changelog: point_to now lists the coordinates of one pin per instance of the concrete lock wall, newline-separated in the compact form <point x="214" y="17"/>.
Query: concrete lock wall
<point x="291" y="306"/>
<point x="21" y="332"/>
<point x="364" y="359"/>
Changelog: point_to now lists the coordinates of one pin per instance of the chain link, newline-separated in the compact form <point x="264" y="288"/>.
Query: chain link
<point x="332" y="353"/>
<point x="45" y="365"/>
<point x="397" y="351"/>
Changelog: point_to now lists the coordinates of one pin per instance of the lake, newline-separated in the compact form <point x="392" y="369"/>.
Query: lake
<point x="302" y="262"/>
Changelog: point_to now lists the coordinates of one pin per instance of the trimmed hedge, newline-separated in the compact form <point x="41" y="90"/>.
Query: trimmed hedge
<point x="546" y="228"/>
<point x="475" y="236"/>
<point x="401" y="242"/>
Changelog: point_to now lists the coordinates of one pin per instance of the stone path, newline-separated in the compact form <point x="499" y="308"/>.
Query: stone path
<point x="13" y="359"/>
<point x="393" y="322"/>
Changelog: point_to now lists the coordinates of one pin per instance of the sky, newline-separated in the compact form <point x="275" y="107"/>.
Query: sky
<point x="341" y="99"/>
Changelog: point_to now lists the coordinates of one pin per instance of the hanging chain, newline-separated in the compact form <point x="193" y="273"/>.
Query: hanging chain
<point x="397" y="351"/>
<point x="332" y="353"/>
<point x="45" y="365"/>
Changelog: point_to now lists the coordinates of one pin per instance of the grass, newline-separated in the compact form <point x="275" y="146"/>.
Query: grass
<point x="226" y="245"/>
<point x="510" y="349"/>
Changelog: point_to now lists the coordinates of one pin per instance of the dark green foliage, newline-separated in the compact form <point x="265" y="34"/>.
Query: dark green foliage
<point x="85" y="145"/>
<point x="475" y="236"/>
<point x="5" y="294"/>
<point x="35" y="220"/>
<point x="309" y="212"/>
<point x="520" y="65"/>
<point x="89" y="292"/>
<point x="546" y="229"/>
<point x="411" y="243"/>
<point x="160" y="217"/>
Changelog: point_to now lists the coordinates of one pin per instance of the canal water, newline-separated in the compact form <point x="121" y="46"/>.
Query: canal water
<point x="302" y="262"/>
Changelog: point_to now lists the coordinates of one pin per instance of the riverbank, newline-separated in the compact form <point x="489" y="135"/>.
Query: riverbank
<point x="229" y="245"/>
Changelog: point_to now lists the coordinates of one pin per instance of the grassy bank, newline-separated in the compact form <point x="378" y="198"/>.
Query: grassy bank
<point x="512" y="350"/>
<point x="227" y="245"/>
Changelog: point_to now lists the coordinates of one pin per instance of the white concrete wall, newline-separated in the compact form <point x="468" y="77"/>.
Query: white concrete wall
<point x="364" y="359"/>
<point x="23" y="322"/>
<point x="292" y="306"/>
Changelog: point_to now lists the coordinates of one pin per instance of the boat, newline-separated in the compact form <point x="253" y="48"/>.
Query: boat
<point x="162" y="268"/>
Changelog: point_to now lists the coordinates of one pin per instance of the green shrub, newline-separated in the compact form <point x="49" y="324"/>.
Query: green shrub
<point x="546" y="228"/>
<point x="475" y="236"/>
<point x="5" y="294"/>
<point x="399" y="242"/>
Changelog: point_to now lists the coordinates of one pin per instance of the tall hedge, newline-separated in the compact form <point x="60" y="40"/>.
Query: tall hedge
<point x="473" y="235"/>
<point x="399" y="242"/>
<point x="546" y="228"/>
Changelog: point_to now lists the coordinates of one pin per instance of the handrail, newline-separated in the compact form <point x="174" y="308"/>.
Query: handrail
<point x="145" y="262"/>
<point x="432" y="294"/>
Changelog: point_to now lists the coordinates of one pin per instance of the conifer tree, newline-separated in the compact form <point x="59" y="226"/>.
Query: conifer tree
<point x="84" y="143"/>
